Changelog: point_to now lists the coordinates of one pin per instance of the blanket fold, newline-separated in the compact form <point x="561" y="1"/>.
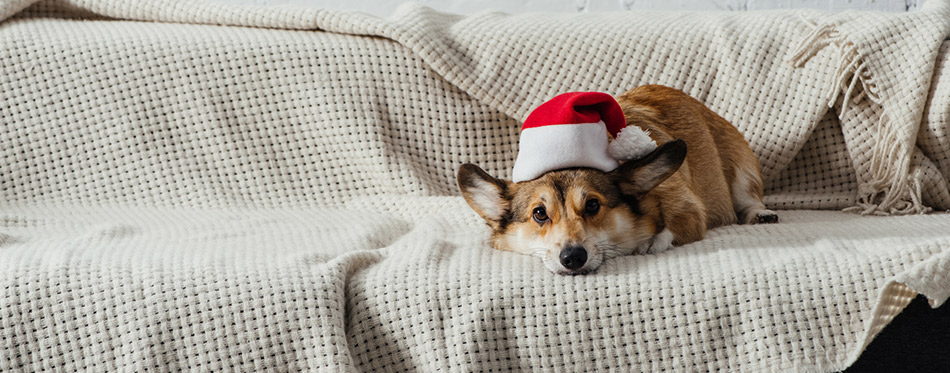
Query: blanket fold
<point x="877" y="51"/>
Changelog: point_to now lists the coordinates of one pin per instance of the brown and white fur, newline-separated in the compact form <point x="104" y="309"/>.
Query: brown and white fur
<point x="574" y="219"/>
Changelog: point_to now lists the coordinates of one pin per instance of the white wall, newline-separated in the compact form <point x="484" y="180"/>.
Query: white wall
<point x="386" y="7"/>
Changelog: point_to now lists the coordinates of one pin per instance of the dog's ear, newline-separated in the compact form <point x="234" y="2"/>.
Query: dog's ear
<point x="639" y="176"/>
<point x="484" y="193"/>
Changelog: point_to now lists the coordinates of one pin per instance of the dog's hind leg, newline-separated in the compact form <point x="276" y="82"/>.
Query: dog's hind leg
<point x="747" y="196"/>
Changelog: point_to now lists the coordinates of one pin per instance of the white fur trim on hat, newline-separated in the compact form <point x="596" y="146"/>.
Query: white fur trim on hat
<point x="553" y="147"/>
<point x="631" y="143"/>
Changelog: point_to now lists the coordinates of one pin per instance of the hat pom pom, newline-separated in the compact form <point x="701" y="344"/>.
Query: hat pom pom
<point x="631" y="143"/>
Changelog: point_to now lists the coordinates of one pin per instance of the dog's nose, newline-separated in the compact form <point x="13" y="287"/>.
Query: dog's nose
<point x="573" y="257"/>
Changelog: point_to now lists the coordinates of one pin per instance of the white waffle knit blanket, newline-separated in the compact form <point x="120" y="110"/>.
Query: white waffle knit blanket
<point x="181" y="193"/>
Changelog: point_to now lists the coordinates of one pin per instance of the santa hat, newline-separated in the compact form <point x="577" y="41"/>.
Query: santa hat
<point x="573" y="130"/>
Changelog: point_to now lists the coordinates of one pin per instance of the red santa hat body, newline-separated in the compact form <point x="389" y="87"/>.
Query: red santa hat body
<point x="573" y="130"/>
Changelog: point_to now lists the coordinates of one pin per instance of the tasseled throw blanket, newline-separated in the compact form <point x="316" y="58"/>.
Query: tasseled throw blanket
<point x="190" y="185"/>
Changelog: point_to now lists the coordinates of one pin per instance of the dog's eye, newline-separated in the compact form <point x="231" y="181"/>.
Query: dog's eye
<point x="540" y="215"/>
<point x="592" y="207"/>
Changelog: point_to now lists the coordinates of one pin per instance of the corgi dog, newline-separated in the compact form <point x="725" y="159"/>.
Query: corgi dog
<point x="575" y="218"/>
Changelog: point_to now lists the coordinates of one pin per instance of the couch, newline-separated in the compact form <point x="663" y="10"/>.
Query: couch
<point x="195" y="186"/>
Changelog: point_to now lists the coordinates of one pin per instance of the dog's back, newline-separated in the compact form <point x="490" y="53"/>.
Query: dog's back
<point x="720" y="172"/>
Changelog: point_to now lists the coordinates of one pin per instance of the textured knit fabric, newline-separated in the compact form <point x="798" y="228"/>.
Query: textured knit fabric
<point x="184" y="195"/>
<point x="772" y="74"/>
<point x="883" y="89"/>
<point x="129" y="289"/>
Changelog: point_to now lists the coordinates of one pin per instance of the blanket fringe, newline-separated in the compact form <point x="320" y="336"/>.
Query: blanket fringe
<point x="888" y="192"/>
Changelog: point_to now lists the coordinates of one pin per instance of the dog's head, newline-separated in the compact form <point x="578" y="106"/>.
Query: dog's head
<point x="574" y="218"/>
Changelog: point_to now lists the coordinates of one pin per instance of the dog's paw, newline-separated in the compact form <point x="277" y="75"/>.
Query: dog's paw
<point x="661" y="242"/>
<point x="759" y="217"/>
<point x="765" y="217"/>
